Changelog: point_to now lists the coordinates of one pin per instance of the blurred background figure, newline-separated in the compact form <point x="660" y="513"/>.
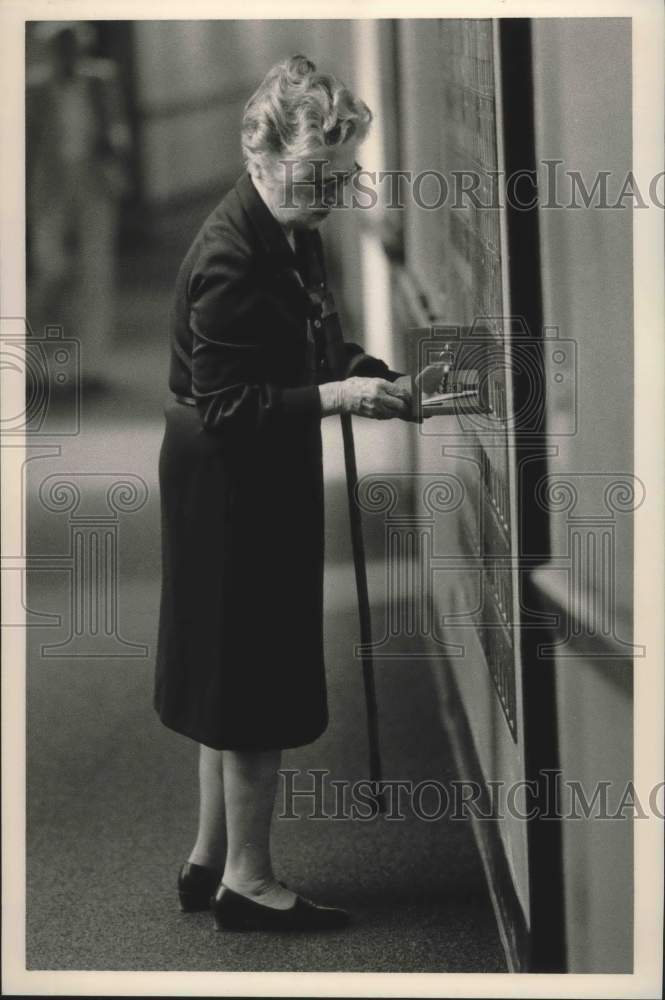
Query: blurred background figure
<point x="78" y="142"/>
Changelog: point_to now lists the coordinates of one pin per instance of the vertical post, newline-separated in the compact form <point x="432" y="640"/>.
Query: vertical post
<point x="515" y="119"/>
<point x="375" y="267"/>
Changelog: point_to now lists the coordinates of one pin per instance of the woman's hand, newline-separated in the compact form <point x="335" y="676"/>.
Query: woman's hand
<point x="375" y="398"/>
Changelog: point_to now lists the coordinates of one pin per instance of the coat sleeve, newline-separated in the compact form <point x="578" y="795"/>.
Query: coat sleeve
<point x="359" y="363"/>
<point x="225" y="315"/>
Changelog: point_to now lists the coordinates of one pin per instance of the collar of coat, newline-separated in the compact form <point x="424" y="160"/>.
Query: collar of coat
<point x="270" y="232"/>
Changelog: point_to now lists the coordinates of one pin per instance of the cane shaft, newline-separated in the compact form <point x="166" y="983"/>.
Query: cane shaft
<point x="336" y="357"/>
<point x="364" y="611"/>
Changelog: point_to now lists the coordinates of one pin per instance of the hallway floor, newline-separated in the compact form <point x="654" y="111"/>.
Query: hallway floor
<point x="112" y="793"/>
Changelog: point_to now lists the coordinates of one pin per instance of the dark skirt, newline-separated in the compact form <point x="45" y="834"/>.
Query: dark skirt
<point x="239" y="661"/>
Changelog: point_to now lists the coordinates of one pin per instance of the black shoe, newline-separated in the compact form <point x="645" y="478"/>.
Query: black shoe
<point x="234" y="912"/>
<point x="196" y="886"/>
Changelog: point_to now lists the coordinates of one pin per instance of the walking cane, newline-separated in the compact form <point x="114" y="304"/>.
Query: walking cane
<point x="333" y="342"/>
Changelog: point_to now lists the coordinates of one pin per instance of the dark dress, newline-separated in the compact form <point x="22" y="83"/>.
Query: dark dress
<point x="240" y="644"/>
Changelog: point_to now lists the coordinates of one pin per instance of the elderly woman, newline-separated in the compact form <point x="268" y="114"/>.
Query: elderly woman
<point x="240" y="664"/>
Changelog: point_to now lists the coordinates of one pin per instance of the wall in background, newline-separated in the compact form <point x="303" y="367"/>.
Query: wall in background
<point x="582" y="74"/>
<point x="452" y="256"/>
<point x="583" y="116"/>
<point x="193" y="79"/>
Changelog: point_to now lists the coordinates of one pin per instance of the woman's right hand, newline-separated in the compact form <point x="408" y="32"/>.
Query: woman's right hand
<point x="366" y="397"/>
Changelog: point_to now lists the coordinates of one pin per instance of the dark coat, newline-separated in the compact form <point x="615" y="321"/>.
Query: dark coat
<point x="240" y="645"/>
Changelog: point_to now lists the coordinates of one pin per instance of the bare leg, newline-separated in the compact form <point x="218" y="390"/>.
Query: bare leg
<point x="250" y="784"/>
<point x="210" y="847"/>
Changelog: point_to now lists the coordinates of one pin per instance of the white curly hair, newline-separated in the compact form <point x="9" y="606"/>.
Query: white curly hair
<point x="297" y="110"/>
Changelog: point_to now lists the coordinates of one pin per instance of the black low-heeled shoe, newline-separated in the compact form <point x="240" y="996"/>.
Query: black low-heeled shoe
<point x="196" y="886"/>
<point x="234" y="912"/>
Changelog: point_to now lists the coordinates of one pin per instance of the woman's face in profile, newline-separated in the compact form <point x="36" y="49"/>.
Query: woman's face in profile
<point x="308" y="190"/>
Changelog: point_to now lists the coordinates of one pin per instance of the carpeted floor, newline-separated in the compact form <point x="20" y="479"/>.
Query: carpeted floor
<point x="112" y="798"/>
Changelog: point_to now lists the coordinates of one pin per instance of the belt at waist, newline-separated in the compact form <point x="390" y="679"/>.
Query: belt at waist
<point x="186" y="400"/>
